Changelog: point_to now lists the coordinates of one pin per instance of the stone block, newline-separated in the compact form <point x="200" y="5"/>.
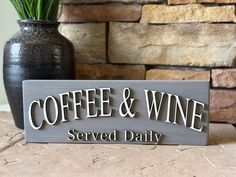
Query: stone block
<point x="89" y="41"/>
<point x="101" y="13"/>
<point x="109" y="1"/>
<point x="159" y="14"/>
<point x="208" y="45"/>
<point x="174" y="74"/>
<point x="224" y="78"/>
<point x="223" y="106"/>
<point x="110" y="72"/>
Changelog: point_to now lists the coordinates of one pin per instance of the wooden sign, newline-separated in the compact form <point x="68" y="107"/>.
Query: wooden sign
<point x="139" y="112"/>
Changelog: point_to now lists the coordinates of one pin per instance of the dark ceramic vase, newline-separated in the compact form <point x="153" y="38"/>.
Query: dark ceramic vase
<point x="37" y="51"/>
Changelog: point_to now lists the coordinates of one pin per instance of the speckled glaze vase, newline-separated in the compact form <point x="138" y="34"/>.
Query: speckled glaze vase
<point x="37" y="51"/>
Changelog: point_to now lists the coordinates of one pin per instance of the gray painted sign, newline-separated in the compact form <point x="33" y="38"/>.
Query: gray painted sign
<point x="139" y="112"/>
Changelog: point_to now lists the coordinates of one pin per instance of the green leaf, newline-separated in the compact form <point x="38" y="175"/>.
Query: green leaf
<point x="37" y="9"/>
<point x="29" y="8"/>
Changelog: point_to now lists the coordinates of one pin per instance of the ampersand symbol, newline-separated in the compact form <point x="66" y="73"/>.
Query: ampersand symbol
<point x="127" y="106"/>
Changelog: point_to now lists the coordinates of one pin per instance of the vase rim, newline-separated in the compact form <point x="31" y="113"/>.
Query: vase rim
<point x="46" y="22"/>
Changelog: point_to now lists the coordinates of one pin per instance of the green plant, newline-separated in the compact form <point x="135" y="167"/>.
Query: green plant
<point x="37" y="9"/>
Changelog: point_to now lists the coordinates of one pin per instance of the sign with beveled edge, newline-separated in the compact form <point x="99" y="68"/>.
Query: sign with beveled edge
<point x="135" y="112"/>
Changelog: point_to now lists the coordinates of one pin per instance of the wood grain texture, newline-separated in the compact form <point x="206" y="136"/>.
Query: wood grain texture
<point x="172" y="134"/>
